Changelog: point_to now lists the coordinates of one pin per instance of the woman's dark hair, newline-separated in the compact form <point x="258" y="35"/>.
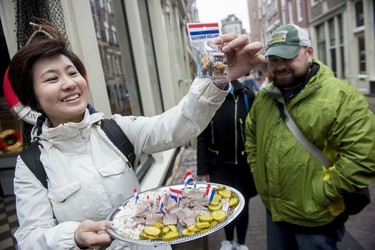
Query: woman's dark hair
<point x="49" y="43"/>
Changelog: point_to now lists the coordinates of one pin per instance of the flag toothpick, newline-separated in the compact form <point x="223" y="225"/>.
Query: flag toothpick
<point x="188" y="178"/>
<point x="136" y="196"/>
<point x="210" y="192"/>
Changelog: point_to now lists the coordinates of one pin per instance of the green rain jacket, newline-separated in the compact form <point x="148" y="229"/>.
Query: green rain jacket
<point x="292" y="184"/>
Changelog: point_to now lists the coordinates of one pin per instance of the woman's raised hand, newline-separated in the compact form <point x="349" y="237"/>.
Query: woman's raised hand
<point x="242" y="56"/>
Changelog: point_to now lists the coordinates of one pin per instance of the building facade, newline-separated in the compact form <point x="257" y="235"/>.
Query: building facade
<point x="231" y="24"/>
<point x="342" y="33"/>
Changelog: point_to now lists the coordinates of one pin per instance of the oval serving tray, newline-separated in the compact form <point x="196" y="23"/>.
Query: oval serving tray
<point x="231" y="215"/>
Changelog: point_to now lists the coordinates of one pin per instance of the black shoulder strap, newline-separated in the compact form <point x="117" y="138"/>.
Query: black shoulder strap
<point x="249" y="97"/>
<point x="118" y="137"/>
<point x="31" y="155"/>
<point x="246" y="100"/>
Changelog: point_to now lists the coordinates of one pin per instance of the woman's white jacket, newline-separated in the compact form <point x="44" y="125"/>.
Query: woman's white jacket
<point x="87" y="175"/>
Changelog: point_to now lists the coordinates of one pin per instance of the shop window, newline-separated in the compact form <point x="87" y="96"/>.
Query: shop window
<point x="332" y="35"/>
<point x="372" y="88"/>
<point x="341" y="45"/>
<point x="114" y="35"/>
<point x="106" y="30"/>
<point x="109" y="7"/>
<point x="150" y="53"/>
<point x="359" y="15"/>
<point x="118" y="64"/>
<point x="362" y="55"/>
<point x="342" y="51"/>
<point x="333" y="60"/>
<point x="290" y="12"/>
<point x="299" y="11"/>
<point x="321" y="43"/>
<point x="332" y="45"/>
<point x="101" y="2"/>
<point x="116" y="57"/>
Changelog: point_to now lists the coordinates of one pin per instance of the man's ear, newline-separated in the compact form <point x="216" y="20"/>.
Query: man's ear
<point x="310" y="53"/>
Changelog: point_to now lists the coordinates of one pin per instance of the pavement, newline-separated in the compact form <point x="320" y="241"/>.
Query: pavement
<point x="360" y="228"/>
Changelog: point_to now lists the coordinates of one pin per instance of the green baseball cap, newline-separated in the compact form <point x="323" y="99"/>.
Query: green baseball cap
<point x="286" y="41"/>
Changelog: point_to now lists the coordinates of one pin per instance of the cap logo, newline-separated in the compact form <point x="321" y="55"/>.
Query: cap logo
<point x="278" y="37"/>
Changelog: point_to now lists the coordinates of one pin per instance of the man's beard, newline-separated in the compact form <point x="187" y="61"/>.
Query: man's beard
<point x="290" y="81"/>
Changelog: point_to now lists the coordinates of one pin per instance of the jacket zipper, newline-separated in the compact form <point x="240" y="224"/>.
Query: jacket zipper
<point x="242" y="133"/>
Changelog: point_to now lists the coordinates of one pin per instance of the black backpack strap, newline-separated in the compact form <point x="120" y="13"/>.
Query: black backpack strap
<point x="31" y="157"/>
<point x="246" y="100"/>
<point x="119" y="139"/>
<point x="249" y="97"/>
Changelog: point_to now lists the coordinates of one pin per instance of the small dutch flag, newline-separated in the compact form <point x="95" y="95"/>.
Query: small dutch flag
<point x="176" y="195"/>
<point x="162" y="209"/>
<point x="188" y="178"/>
<point x="136" y="196"/>
<point x="210" y="192"/>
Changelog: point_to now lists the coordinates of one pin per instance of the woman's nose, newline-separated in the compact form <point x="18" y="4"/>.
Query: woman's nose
<point x="68" y="82"/>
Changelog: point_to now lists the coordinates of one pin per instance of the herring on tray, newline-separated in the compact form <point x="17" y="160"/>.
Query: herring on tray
<point x="175" y="214"/>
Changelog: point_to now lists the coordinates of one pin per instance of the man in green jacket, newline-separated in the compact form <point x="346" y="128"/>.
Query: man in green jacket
<point x="304" y="200"/>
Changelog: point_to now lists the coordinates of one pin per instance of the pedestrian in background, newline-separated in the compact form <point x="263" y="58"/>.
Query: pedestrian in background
<point x="264" y="80"/>
<point x="221" y="157"/>
<point x="250" y="83"/>
<point x="303" y="198"/>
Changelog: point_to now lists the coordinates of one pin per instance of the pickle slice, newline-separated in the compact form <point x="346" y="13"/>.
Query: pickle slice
<point x="233" y="201"/>
<point x="205" y="218"/>
<point x="214" y="208"/>
<point x="186" y="232"/>
<point x="151" y="231"/>
<point x="219" y="215"/>
<point x="148" y="237"/>
<point x="193" y="228"/>
<point x="158" y="224"/>
<point x="225" y="193"/>
<point x="165" y="230"/>
<point x="172" y="235"/>
<point x="215" y="200"/>
<point x="202" y="225"/>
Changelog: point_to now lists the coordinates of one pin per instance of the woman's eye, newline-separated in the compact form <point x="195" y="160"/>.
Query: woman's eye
<point x="51" y="79"/>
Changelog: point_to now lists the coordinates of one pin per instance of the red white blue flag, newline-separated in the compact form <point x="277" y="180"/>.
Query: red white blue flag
<point x="176" y="195"/>
<point x="210" y="192"/>
<point x="203" y="31"/>
<point x="162" y="208"/>
<point x="136" y="196"/>
<point x="188" y="178"/>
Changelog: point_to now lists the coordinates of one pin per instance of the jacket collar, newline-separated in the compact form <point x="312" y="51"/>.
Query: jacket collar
<point x="42" y="131"/>
<point x="237" y="87"/>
